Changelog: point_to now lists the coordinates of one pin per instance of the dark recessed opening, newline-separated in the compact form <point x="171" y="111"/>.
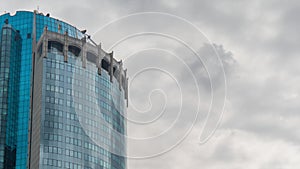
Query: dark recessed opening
<point x="91" y="57"/>
<point x="55" y="46"/>
<point x="105" y="65"/>
<point x="74" y="50"/>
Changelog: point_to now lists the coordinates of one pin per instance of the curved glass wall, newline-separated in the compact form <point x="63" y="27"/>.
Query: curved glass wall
<point x="23" y="21"/>
<point x="81" y="113"/>
<point x="82" y="116"/>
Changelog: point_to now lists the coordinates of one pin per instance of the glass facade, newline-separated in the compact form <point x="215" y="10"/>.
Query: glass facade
<point x="10" y="58"/>
<point x="81" y="120"/>
<point x="22" y="22"/>
<point x="67" y="137"/>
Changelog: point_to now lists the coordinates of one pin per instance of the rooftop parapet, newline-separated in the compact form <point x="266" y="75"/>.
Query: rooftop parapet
<point x="87" y="52"/>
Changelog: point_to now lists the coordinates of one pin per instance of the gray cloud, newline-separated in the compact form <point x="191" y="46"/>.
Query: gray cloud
<point x="259" y="49"/>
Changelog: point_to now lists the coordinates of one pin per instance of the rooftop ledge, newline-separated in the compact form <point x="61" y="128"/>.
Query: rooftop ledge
<point x="86" y="52"/>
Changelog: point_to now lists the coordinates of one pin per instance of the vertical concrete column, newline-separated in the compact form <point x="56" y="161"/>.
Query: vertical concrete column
<point x="120" y="74"/>
<point x="59" y="28"/>
<point x="99" y="59"/>
<point x="83" y="52"/>
<point x="45" y="42"/>
<point x="126" y="89"/>
<point x="31" y="88"/>
<point x="66" y="47"/>
<point x="111" y="66"/>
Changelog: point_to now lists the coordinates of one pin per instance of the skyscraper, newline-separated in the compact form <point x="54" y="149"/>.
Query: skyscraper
<point x="62" y="97"/>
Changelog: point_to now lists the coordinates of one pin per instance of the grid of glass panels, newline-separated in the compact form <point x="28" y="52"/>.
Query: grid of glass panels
<point x="70" y="95"/>
<point x="55" y="25"/>
<point x="9" y="75"/>
<point x="23" y="21"/>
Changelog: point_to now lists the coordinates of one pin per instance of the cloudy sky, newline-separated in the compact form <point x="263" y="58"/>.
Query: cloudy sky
<point x="213" y="84"/>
